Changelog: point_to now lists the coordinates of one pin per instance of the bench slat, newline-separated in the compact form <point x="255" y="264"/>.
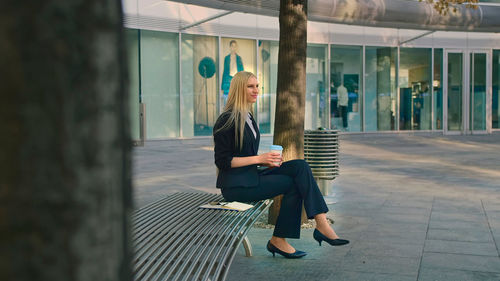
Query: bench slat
<point x="165" y="210"/>
<point x="217" y="233"/>
<point x="165" y="244"/>
<point x="174" y="239"/>
<point x="241" y="232"/>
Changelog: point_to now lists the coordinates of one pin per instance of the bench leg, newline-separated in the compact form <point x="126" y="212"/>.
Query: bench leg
<point x="248" y="247"/>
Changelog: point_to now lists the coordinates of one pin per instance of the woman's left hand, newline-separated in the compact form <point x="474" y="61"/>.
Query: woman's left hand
<point x="270" y="159"/>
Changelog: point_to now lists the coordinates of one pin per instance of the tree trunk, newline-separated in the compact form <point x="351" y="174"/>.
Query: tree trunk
<point x="291" y="89"/>
<point x="65" y="180"/>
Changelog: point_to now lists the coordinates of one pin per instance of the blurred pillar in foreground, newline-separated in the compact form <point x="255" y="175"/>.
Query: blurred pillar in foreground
<point x="65" y="180"/>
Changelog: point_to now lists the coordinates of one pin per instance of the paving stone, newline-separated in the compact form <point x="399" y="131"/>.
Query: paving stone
<point x="401" y="218"/>
<point x="400" y="210"/>
<point x="403" y="227"/>
<point x="417" y="202"/>
<point x="395" y="237"/>
<point x="491" y="205"/>
<point x="461" y="262"/>
<point x="368" y="276"/>
<point x="381" y="264"/>
<point x="432" y="274"/>
<point x="458" y="247"/>
<point x="387" y="248"/>
<point x="493" y="216"/>
<point x="454" y="224"/>
<point x="496" y="237"/>
<point x="455" y="216"/>
<point x="466" y="235"/>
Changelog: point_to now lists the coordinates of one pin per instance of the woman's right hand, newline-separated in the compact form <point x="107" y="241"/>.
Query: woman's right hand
<point x="270" y="159"/>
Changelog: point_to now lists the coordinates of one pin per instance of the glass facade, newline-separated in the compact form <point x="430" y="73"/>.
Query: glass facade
<point x="346" y="68"/>
<point x="268" y="72"/>
<point x="495" y="113"/>
<point x="380" y="88"/>
<point x="160" y="83"/>
<point x="132" y="37"/>
<point x="477" y="90"/>
<point x="415" y="102"/>
<point x="437" y="86"/>
<point x="455" y="91"/>
<point x="391" y="91"/>
<point x="199" y="64"/>
<point x="316" y="79"/>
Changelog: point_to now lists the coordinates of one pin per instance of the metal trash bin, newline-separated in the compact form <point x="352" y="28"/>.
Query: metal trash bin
<point x="321" y="150"/>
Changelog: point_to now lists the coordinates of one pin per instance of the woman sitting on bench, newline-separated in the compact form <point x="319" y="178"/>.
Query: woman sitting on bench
<point x="236" y="138"/>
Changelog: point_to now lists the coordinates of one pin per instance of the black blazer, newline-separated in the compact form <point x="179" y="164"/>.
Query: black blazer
<point x="225" y="150"/>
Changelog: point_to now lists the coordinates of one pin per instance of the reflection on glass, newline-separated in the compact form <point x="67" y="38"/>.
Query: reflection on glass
<point x="132" y="37"/>
<point x="478" y="92"/>
<point x="454" y="91"/>
<point x="414" y="85"/>
<point x="160" y="82"/>
<point x="199" y="84"/>
<point x="380" y="88"/>
<point x="268" y="70"/>
<point x="438" y="88"/>
<point x="495" y="113"/>
<point x="345" y="80"/>
<point x="316" y="115"/>
<point x="239" y="55"/>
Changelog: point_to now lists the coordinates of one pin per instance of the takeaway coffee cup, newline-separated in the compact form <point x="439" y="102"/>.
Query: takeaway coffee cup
<point x="277" y="149"/>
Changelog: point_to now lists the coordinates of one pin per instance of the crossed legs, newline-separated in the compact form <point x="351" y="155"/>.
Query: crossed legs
<point x="295" y="181"/>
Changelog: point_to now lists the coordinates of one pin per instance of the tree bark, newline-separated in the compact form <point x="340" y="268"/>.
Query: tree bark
<point x="291" y="85"/>
<point x="65" y="180"/>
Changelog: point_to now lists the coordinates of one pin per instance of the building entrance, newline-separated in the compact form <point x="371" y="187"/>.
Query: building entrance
<point x="467" y="91"/>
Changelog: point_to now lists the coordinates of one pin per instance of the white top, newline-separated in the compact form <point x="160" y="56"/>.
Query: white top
<point x="342" y="94"/>
<point x="249" y="122"/>
<point x="233" y="68"/>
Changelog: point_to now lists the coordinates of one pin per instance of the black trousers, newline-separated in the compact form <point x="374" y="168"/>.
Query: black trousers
<point x="343" y="113"/>
<point x="295" y="181"/>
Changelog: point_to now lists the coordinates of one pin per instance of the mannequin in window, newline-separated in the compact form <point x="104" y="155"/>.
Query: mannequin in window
<point x="343" y="102"/>
<point x="232" y="65"/>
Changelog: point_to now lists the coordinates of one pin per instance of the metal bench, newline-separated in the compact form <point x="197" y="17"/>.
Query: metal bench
<point x="174" y="239"/>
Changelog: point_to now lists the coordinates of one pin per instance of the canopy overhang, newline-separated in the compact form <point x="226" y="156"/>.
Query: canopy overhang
<point x="406" y="14"/>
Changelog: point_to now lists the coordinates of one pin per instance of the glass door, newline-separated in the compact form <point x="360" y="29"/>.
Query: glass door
<point x="477" y="98"/>
<point x="466" y="92"/>
<point x="453" y="92"/>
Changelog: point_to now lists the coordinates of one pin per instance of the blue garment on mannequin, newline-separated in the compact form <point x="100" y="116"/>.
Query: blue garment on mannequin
<point x="226" y="77"/>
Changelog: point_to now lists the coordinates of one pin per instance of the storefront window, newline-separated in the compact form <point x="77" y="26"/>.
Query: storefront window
<point x="268" y="71"/>
<point x="160" y="83"/>
<point x="132" y="36"/>
<point x="438" y="89"/>
<point x="496" y="91"/>
<point x="415" y="102"/>
<point x="346" y="67"/>
<point x="316" y="114"/>
<point x="455" y="91"/>
<point x="380" y="88"/>
<point x="237" y="55"/>
<point x="199" y="64"/>
<point x="477" y="91"/>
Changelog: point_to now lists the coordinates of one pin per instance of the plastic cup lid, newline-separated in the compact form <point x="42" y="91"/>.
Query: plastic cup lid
<point x="276" y="147"/>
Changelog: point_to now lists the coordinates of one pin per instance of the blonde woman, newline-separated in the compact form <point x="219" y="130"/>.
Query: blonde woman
<point x="236" y="138"/>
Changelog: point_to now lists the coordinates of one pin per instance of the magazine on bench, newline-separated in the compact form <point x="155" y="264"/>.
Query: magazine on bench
<point x="235" y="206"/>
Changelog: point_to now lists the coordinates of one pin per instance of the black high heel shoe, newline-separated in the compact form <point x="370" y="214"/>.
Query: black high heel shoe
<point x="295" y="255"/>
<point x="318" y="236"/>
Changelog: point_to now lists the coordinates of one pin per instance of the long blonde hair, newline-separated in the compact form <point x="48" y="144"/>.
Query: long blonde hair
<point x="238" y="106"/>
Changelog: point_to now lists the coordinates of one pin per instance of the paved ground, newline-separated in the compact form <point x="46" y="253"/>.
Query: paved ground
<point x="414" y="207"/>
